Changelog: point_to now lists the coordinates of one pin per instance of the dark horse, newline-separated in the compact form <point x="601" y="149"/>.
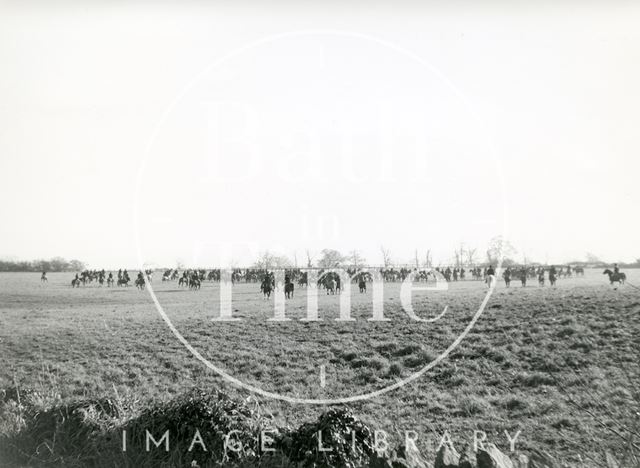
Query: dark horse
<point x="615" y="277"/>
<point x="266" y="287"/>
<point x="303" y="280"/>
<point x="194" y="283"/>
<point x="140" y="284"/>
<point x="288" y="290"/>
<point x="331" y="285"/>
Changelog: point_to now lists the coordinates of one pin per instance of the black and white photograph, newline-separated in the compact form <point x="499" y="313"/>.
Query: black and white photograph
<point x="319" y="234"/>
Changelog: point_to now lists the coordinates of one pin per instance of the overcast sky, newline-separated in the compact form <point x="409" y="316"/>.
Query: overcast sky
<point x="292" y="127"/>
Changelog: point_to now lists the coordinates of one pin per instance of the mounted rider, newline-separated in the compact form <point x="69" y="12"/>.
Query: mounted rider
<point x="490" y="275"/>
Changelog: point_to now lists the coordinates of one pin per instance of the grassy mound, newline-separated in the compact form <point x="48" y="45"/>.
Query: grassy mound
<point x="202" y="429"/>
<point x="350" y="441"/>
<point x="228" y="430"/>
<point x="62" y="434"/>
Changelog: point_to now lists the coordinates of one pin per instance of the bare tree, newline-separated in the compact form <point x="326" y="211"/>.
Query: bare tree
<point x="356" y="259"/>
<point x="470" y="255"/>
<point x="386" y="257"/>
<point x="309" y="259"/>
<point x="428" y="261"/>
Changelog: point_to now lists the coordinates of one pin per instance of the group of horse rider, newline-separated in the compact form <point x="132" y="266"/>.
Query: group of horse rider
<point x="524" y="273"/>
<point x="330" y="280"/>
<point x="88" y="276"/>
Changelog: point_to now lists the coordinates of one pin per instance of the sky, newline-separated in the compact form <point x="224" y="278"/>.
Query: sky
<point x="207" y="133"/>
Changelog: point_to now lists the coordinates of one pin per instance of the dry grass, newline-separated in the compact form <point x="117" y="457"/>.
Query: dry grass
<point x="562" y="365"/>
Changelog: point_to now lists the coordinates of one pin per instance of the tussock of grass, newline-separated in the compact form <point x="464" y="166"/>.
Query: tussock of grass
<point x="419" y="359"/>
<point x="376" y="363"/>
<point x="472" y="405"/>
<point x="349" y="355"/>
<point x="534" y="379"/>
<point x="395" y="369"/>
<point x="562" y="423"/>
<point x="388" y="348"/>
<point x="515" y="404"/>
<point x="407" y="350"/>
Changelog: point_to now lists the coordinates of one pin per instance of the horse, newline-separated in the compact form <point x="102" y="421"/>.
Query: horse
<point x="490" y="280"/>
<point x="140" y="283"/>
<point x="288" y="290"/>
<point x="266" y="287"/>
<point x="507" y="278"/>
<point x="75" y="283"/>
<point x="123" y="281"/>
<point x="303" y="280"/>
<point x="614" y="277"/>
<point x="331" y="285"/>
<point x="194" y="282"/>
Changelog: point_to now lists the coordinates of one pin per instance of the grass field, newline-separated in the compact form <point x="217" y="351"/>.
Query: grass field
<point x="562" y="365"/>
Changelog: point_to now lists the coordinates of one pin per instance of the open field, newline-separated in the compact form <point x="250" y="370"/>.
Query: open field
<point x="560" y="364"/>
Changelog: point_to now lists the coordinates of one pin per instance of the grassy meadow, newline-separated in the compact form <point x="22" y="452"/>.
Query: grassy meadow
<point x="561" y="365"/>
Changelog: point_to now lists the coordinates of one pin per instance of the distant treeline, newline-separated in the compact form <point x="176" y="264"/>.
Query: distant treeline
<point x="54" y="264"/>
<point x="601" y="264"/>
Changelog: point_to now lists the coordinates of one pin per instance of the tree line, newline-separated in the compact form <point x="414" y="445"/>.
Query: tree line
<point x="54" y="265"/>
<point x="498" y="250"/>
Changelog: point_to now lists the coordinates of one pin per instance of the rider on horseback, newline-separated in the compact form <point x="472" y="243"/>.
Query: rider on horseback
<point x="490" y="275"/>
